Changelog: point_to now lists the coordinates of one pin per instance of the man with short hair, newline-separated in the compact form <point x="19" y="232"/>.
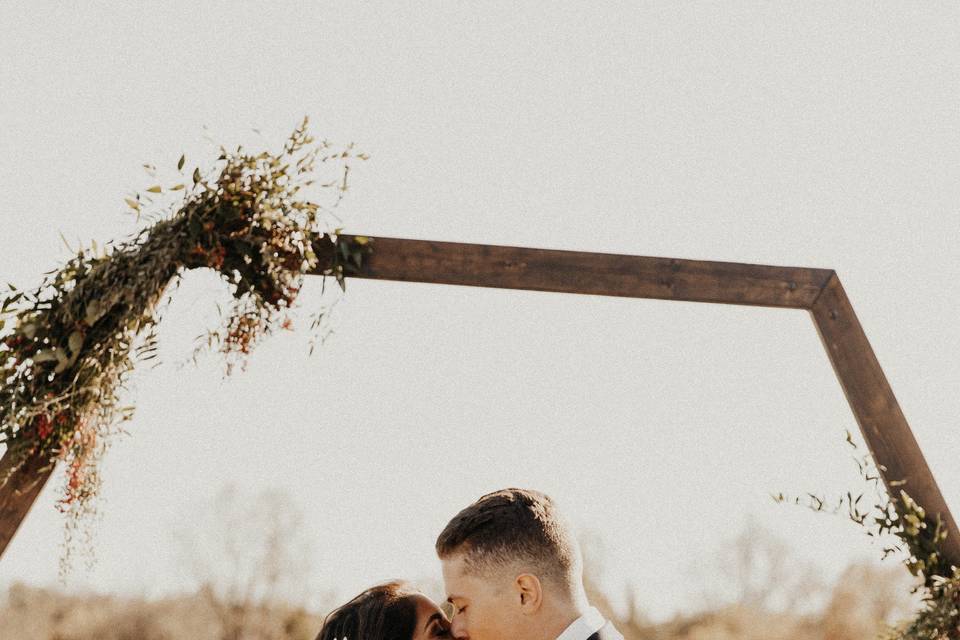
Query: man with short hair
<point x="513" y="571"/>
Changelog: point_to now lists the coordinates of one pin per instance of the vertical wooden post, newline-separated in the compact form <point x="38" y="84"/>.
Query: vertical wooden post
<point x="19" y="492"/>
<point x="884" y="427"/>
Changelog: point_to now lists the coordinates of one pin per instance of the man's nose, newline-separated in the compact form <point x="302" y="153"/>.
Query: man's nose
<point x="458" y="629"/>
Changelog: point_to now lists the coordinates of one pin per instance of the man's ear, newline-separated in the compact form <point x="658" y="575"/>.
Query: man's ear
<point x="530" y="592"/>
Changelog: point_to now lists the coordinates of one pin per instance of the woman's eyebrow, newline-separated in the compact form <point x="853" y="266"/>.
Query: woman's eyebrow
<point x="436" y="616"/>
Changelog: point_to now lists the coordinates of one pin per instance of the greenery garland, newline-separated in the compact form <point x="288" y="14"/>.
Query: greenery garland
<point x="68" y="346"/>
<point x="912" y="534"/>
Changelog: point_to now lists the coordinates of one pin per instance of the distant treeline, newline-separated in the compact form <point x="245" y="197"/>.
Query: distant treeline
<point x="858" y="607"/>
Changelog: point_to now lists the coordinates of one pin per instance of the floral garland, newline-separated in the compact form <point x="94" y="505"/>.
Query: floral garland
<point x="68" y="346"/>
<point x="917" y="538"/>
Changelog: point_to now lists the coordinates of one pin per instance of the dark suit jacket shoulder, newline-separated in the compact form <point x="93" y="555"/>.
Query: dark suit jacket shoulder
<point x="608" y="632"/>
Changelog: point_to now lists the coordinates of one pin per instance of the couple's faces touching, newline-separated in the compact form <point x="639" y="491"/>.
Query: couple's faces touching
<point x="431" y="621"/>
<point x="489" y="607"/>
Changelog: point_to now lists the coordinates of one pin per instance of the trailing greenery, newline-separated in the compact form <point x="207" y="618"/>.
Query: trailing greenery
<point x="69" y="345"/>
<point x="912" y="534"/>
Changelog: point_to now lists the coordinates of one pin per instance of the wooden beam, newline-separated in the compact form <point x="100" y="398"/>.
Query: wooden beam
<point x="603" y="274"/>
<point x="884" y="427"/>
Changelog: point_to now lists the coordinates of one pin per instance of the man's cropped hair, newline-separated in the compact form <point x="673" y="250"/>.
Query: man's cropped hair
<point x="513" y="528"/>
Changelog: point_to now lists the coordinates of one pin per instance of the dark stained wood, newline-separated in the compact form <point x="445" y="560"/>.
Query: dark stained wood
<point x="818" y="290"/>
<point x="884" y="427"/>
<point x="602" y="274"/>
<point x="19" y="492"/>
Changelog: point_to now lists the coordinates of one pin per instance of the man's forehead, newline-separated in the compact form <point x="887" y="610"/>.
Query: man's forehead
<point x="454" y="566"/>
<point x="458" y="581"/>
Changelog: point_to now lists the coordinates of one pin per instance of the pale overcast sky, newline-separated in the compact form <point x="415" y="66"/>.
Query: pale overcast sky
<point x="796" y="133"/>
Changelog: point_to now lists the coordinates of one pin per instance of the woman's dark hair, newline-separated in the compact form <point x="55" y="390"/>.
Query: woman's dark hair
<point x="383" y="612"/>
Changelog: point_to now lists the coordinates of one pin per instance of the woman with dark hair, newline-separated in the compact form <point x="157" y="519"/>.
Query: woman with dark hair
<point x="391" y="611"/>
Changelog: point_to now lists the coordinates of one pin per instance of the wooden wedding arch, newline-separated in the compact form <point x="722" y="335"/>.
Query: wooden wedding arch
<point x="884" y="427"/>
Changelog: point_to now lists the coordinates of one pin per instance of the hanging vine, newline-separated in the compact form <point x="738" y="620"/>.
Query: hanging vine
<point x="68" y="346"/>
<point x="910" y="533"/>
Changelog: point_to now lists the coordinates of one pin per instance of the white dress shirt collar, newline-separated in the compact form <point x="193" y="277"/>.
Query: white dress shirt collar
<point x="583" y="627"/>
